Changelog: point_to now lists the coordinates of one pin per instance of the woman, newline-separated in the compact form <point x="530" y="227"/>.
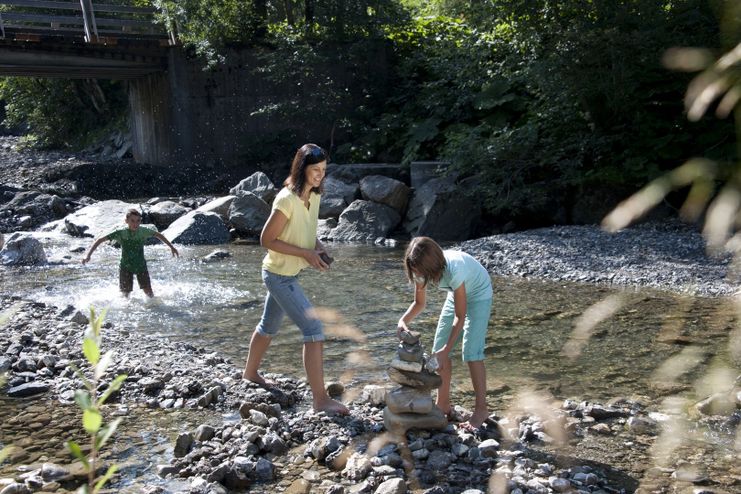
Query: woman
<point x="290" y="237"/>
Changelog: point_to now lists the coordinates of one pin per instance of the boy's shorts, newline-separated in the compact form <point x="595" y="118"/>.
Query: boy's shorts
<point x="126" y="280"/>
<point x="474" y="328"/>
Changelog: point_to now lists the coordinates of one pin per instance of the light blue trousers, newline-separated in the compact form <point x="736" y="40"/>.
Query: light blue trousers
<point x="474" y="327"/>
<point x="285" y="296"/>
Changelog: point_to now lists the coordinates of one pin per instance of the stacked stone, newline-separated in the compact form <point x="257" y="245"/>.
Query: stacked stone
<point x="410" y="406"/>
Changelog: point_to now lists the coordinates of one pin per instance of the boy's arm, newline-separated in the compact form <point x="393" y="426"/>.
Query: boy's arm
<point x="92" y="248"/>
<point x="420" y="300"/>
<point x="164" y="240"/>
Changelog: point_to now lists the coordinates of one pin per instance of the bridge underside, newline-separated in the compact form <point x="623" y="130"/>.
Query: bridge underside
<point x="73" y="59"/>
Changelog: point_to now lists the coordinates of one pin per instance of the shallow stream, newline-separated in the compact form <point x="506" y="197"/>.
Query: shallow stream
<point x="550" y="340"/>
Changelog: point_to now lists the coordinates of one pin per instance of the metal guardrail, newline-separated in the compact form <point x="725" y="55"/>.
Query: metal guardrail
<point x="28" y="20"/>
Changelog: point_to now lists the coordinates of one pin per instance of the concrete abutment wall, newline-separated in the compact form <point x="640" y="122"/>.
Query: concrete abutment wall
<point x="191" y="116"/>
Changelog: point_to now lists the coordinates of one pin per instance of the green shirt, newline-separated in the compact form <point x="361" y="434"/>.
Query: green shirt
<point x="132" y="247"/>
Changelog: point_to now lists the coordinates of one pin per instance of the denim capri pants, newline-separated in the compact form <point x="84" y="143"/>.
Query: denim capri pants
<point x="474" y="327"/>
<point x="285" y="296"/>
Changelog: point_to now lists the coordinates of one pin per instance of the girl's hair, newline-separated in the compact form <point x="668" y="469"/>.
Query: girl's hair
<point x="133" y="212"/>
<point x="308" y="154"/>
<point x="426" y="257"/>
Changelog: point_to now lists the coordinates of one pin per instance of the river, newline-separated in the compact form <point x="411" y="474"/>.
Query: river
<point x="555" y="340"/>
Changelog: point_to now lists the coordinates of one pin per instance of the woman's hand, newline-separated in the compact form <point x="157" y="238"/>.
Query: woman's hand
<point x="313" y="257"/>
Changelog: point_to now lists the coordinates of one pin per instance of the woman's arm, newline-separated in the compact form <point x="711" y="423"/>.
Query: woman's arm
<point x="269" y="239"/>
<point x="164" y="240"/>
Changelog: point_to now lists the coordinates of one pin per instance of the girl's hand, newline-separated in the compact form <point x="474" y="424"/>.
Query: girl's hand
<point x="400" y="327"/>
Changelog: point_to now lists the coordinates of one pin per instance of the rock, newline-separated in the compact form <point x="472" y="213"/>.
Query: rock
<point x="374" y="394"/>
<point x="404" y="365"/>
<point x="198" y="228"/>
<point x="183" y="444"/>
<point x="385" y="190"/>
<point x="335" y="389"/>
<point x="402" y="422"/>
<point x="98" y="219"/>
<point x="248" y="214"/>
<point x="392" y="486"/>
<point x="204" y="433"/>
<point x="357" y="468"/>
<point x="409" y="400"/>
<point x="422" y="379"/>
<point x="299" y="486"/>
<point x="22" y="249"/>
<point x="28" y="389"/>
<point x="258" y="184"/>
<point x="216" y="255"/>
<point x="164" y="213"/>
<point x="219" y="206"/>
<point x="365" y="221"/>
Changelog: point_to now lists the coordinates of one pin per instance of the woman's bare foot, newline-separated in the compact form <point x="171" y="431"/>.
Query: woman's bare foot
<point x="259" y="380"/>
<point x="330" y="406"/>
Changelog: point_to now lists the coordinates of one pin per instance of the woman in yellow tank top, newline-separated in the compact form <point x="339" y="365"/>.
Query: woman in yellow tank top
<point x="290" y="237"/>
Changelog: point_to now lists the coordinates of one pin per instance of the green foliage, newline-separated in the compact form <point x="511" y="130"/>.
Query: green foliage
<point x="542" y="101"/>
<point x="90" y="403"/>
<point x="63" y="113"/>
<point x="718" y="85"/>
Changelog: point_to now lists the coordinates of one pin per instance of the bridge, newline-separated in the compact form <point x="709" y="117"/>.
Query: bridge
<point x="81" y="39"/>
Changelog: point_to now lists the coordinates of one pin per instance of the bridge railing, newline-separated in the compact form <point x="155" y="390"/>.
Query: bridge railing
<point x="96" y="22"/>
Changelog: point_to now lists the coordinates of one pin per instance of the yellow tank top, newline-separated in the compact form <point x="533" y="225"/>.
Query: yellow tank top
<point x="300" y="230"/>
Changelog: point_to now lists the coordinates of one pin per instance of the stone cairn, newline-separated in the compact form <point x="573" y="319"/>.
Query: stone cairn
<point x="410" y="406"/>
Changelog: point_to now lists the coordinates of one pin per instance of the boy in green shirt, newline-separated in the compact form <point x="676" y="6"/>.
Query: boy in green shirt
<point x="132" y="238"/>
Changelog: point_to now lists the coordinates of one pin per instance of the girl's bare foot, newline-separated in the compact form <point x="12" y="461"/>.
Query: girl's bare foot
<point x="330" y="406"/>
<point x="475" y="421"/>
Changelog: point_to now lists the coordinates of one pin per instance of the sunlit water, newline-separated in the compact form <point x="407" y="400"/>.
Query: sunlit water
<point x="622" y="352"/>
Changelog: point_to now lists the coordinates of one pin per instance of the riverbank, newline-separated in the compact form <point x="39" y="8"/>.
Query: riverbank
<point x="274" y="441"/>
<point x="666" y="255"/>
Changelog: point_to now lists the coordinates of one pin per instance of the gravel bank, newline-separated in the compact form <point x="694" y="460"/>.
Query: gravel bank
<point x="665" y="255"/>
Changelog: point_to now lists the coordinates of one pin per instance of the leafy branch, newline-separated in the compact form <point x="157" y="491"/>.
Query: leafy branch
<point x="90" y="403"/>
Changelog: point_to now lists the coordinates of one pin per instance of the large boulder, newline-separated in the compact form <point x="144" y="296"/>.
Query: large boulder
<point x="259" y="184"/>
<point x="248" y="213"/>
<point x="22" y="249"/>
<point x="164" y="213"/>
<point x="353" y="172"/>
<point x="336" y="196"/>
<point x="365" y="221"/>
<point x="386" y="191"/>
<point x="220" y="206"/>
<point x="197" y="227"/>
<point x="98" y="219"/>
<point x="29" y="209"/>
<point x="441" y="210"/>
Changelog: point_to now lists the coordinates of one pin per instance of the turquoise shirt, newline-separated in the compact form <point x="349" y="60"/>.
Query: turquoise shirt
<point x="463" y="268"/>
<point x="132" y="247"/>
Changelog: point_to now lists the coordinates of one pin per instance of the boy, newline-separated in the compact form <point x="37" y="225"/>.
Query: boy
<point x="132" y="238"/>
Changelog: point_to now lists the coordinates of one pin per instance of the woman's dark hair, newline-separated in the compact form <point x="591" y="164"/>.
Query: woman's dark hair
<point x="308" y="154"/>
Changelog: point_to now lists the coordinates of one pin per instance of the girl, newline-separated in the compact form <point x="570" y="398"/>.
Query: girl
<point x="465" y="314"/>
<point x="290" y="237"/>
